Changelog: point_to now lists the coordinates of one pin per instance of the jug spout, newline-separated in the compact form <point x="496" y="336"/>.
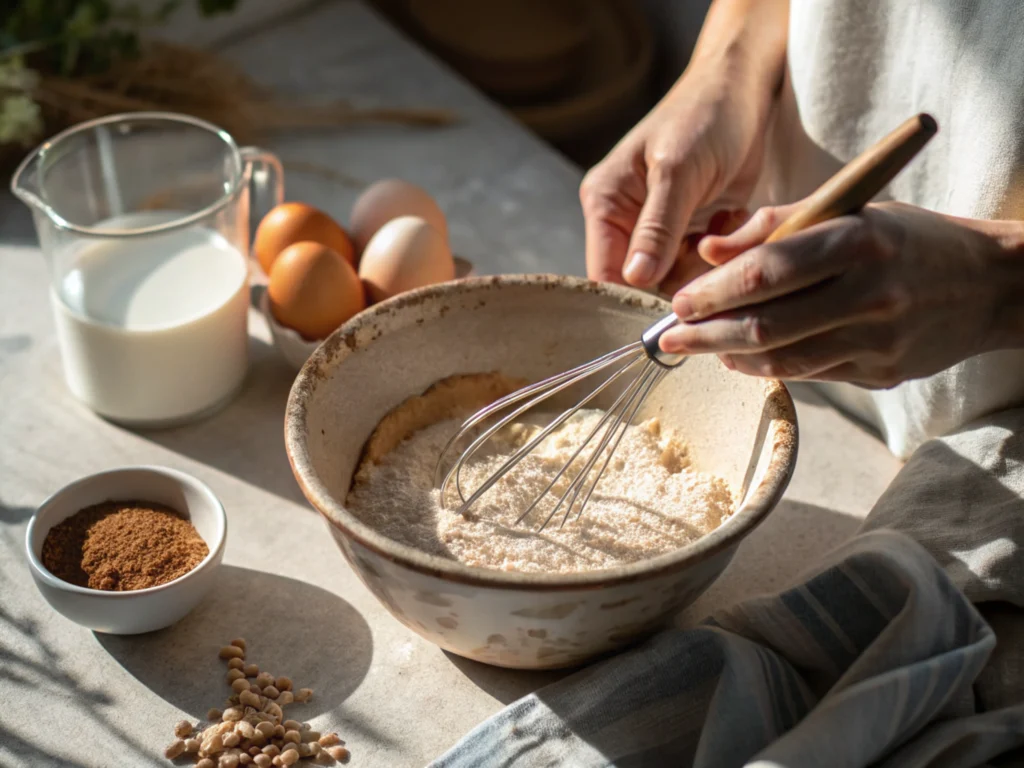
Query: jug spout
<point x="25" y="184"/>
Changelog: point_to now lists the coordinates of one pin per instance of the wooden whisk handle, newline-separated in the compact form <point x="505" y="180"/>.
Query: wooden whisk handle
<point x="862" y="178"/>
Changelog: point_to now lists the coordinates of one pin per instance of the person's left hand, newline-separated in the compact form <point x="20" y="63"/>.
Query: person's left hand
<point x="891" y="294"/>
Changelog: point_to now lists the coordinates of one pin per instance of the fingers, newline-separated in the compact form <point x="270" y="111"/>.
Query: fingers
<point x="772" y="270"/>
<point x="804" y="359"/>
<point x="611" y="198"/>
<point x="753" y="232"/>
<point x="659" y="228"/>
<point x="687" y="267"/>
<point x="775" y="323"/>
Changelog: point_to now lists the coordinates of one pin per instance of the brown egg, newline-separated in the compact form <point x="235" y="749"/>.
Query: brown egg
<point x="405" y="253"/>
<point x="313" y="290"/>
<point x="291" y="223"/>
<point x="388" y="199"/>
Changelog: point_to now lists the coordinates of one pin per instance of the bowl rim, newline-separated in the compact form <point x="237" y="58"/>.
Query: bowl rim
<point x="343" y="342"/>
<point x="211" y="560"/>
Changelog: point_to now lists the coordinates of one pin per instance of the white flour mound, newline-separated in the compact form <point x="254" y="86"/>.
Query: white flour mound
<point x="648" y="502"/>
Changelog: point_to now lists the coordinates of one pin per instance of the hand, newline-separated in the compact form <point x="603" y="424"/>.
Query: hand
<point x="703" y="143"/>
<point x="891" y="294"/>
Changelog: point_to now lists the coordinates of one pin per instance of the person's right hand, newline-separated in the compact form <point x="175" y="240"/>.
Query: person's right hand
<point x="699" y="150"/>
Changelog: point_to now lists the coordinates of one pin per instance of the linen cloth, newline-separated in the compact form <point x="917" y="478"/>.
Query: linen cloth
<point x="856" y="70"/>
<point x="903" y="649"/>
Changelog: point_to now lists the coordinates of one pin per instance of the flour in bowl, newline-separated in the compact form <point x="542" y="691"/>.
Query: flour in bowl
<point x="649" y="500"/>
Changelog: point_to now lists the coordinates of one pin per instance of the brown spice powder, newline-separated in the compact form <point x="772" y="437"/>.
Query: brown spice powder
<point x="119" y="546"/>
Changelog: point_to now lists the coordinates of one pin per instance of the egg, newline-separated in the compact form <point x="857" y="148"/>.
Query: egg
<point x="291" y="223"/>
<point x="313" y="290"/>
<point x="405" y="253"/>
<point x="389" y="199"/>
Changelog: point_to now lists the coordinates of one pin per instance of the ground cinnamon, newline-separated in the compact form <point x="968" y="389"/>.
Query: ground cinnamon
<point x="120" y="546"/>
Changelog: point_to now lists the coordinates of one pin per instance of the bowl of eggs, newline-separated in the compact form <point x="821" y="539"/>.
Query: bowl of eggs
<point x="319" y="275"/>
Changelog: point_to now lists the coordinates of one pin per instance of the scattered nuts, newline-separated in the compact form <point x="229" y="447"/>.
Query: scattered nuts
<point x="338" y="753"/>
<point x="283" y="683"/>
<point x="329" y="740"/>
<point x="251" y="670"/>
<point x="276" y="762"/>
<point x="183" y="729"/>
<point x="238" y="664"/>
<point x="244" y="759"/>
<point x="271" y="692"/>
<point x="192" y="746"/>
<point x="278" y="731"/>
<point x="292" y="725"/>
<point x="314" y="748"/>
<point x="239" y="643"/>
<point x="264" y="679"/>
<point x="285" y="697"/>
<point x="309" y="735"/>
<point x="289" y="758"/>
<point x="228" y="761"/>
<point x="232" y="652"/>
<point x="174" y="749"/>
<point x="206" y="763"/>
<point x="239" y="684"/>
<point x="271" y="750"/>
<point x="213" y="745"/>
<point x="213" y="715"/>
<point x="232" y="714"/>
<point x="249" y="699"/>
<point x="304" y="694"/>
<point x="232" y="740"/>
<point x="262" y="761"/>
<point x="292" y="736"/>
<point x="234" y="675"/>
<point x="267" y="729"/>
<point x="245" y="729"/>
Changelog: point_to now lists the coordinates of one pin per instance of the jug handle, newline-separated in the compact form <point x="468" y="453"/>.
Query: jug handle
<point x="267" y="173"/>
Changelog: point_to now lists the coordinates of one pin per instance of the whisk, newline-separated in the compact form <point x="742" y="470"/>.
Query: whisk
<point x="845" y="193"/>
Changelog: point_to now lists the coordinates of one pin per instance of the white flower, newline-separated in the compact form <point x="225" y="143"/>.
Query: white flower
<point x="21" y="120"/>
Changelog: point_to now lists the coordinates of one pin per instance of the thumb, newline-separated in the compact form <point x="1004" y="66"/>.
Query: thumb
<point x="659" y="230"/>
<point x="718" y="249"/>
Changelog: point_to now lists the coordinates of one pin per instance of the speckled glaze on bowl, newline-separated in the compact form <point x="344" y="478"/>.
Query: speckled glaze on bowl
<point x="742" y="428"/>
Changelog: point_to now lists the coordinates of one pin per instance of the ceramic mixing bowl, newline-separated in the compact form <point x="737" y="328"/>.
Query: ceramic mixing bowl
<point x="741" y="428"/>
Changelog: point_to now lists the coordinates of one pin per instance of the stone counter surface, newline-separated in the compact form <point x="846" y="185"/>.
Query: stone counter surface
<point x="75" y="698"/>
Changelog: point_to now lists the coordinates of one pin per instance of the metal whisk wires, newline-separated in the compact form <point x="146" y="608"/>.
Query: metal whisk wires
<point x="611" y="428"/>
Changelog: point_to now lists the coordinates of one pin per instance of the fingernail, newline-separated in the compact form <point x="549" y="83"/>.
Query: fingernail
<point x="641" y="268"/>
<point x="683" y="307"/>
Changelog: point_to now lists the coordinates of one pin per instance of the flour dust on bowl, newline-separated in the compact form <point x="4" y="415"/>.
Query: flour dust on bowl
<point x="374" y="382"/>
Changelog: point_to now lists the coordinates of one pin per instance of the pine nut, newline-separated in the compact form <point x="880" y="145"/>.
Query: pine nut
<point x="283" y="683"/>
<point x="285" y="697"/>
<point x="338" y="753"/>
<point x="228" y="761"/>
<point x="232" y="652"/>
<point x="232" y="740"/>
<point x="329" y="740"/>
<point x="251" y="670"/>
<point x="234" y="675"/>
<point x="304" y="694"/>
<point x="174" y="749"/>
<point x="232" y="714"/>
<point x="238" y="664"/>
<point x="214" y="715"/>
<point x="206" y="763"/>
<point x="239" y="643"/>
<point x="239" y="684"/>
<point x="262" y="761"/>
<point x="192" y="746"/>
<point x="271" y="692"/>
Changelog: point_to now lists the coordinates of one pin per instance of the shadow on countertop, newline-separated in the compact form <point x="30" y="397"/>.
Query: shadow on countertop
<point x="292" y="628"/>
<point x="246" y="438"/>
<point x="506" y="685"/>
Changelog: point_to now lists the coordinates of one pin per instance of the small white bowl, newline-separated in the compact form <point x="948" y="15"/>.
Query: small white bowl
<point x="141" y="610"/>
<point x="295" y="349"/>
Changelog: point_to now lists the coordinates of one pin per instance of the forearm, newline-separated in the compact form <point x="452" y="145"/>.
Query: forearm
<point x="745" y="40"/>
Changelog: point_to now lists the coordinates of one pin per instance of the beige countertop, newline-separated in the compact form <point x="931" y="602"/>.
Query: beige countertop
<point x="75" y="698"/>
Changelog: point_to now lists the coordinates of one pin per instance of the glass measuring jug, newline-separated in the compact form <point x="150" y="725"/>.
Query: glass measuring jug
<point x="143" y="219"/>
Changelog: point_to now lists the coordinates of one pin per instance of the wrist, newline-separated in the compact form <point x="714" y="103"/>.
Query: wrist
<point x="1007" y="274"/>
<point x="743" y="43"/>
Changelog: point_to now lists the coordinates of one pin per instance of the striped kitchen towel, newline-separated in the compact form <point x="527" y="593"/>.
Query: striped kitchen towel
<point x="870" y="661"/>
